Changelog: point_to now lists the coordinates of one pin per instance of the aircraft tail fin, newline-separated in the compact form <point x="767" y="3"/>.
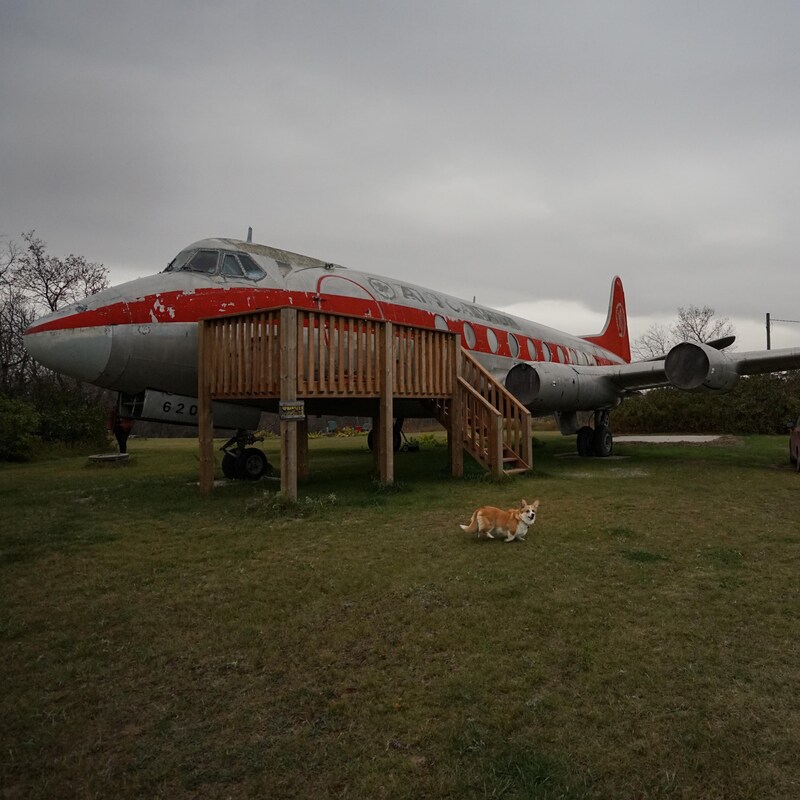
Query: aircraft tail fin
<point x="614" y="336"/>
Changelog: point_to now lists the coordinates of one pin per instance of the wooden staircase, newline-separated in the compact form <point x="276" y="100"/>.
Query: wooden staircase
<point x="493" y="426"/>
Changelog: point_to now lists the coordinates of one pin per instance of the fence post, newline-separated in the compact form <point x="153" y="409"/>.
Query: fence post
<point x="385" y="432"/>
<point x="455" y="433"/>
<point x="288" y="344"/>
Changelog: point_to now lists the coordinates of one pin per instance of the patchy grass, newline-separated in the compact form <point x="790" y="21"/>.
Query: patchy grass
<point x="643" y="641"/>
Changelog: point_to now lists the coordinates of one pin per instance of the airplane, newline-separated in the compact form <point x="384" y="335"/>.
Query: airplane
<point x="140" y="339"/>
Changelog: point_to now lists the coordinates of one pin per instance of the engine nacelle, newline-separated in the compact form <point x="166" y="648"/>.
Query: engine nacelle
<point x="696" y="367"/>
<point x="545" y="387"/>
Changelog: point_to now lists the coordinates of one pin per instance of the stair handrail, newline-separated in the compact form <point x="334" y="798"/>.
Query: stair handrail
<point x="520" y="442"/>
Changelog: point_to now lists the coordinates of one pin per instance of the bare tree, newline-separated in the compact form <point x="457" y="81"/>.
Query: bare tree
<point x="694" y="324"/>
<point x="33" y="282"/>
<point x="51" y="281"/>
<point x="654" y="342"/>
<point x="8" y="258"/>
<point x="697" y="324"/>
<point x="16" y="314"/>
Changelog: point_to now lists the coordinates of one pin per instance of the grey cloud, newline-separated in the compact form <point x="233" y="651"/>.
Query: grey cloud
<point x="495" y="150"/>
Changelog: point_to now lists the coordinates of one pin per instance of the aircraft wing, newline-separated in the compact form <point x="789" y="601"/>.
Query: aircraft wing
<point x="700" y="367"/>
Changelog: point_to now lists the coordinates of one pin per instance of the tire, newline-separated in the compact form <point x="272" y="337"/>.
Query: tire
<point x="252" y="466"/>
<point x="585" y="442"/>
<point x="602" y="442"/>
<point x="229" y="467"/>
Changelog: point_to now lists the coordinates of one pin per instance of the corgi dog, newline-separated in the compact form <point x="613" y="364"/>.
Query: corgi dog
<point x="513" y="523"/>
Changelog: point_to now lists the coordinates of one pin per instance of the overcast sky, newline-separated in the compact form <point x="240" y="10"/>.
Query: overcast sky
<point x="520" y="152"/>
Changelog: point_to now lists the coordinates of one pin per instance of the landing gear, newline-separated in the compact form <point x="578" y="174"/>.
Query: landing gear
<point x="397" y="435"/>
<point x="585" y="439"/>
<point x="242" y="463"/>
<point x="602" y="442"/>
<point x="598" y="441"/>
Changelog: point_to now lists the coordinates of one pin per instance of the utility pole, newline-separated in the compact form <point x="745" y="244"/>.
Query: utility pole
<point x="769" y="327"/>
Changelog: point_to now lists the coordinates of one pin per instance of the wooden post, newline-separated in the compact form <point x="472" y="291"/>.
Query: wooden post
<point x="386" y="407"/>
<point x="205" y="421"/>
<point x="455" y="434"/>
<point x="288" y="344"/>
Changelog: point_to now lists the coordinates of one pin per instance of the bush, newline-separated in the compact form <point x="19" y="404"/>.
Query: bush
<point x="758" y="404"/>
<point x="18" y="424"/>
<point x="68" y="415"/>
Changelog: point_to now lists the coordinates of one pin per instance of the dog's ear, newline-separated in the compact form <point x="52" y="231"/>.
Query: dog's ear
<point x="523" y="504"/>
<point x="535" y="505"/>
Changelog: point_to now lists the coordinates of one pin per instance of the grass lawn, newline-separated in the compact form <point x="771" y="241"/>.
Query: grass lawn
<point x="643" y="642"/>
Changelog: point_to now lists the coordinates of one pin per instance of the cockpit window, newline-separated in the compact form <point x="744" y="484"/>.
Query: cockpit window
<point x="179" y="262"/>
<point x="231" y="267"/>
<point x="251" y="269"/>
<point x="203" y="261"/>
<point x="241" y="265"/>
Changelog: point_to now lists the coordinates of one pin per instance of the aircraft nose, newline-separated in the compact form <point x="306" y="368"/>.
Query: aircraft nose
<point x="82" y="353"/>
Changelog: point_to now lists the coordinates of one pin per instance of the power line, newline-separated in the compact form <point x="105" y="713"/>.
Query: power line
<point x="770" y="320"/>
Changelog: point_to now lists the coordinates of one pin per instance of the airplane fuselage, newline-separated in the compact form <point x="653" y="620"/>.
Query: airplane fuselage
<point x="143" y="334"/>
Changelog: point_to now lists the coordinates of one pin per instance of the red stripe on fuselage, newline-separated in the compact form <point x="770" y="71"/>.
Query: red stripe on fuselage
<point x="181" y="306"/>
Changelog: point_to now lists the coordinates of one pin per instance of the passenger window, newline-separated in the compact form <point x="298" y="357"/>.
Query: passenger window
<point x="230" y="267"/>
<point x="469" y="335"/>
<point x="203" y="261"/>
<point x="513" y="345"/>
<point x="532" y="355"/>
<point x="548" y="356"/>
<point x="492" y="337"/>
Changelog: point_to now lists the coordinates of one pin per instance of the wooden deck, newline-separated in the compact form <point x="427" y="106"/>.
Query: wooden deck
<point x="290" y="355"/>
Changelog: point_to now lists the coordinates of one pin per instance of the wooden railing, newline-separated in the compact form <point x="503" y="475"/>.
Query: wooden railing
<point x="515" y="428"/>
<point x="246" y="357"/>
<point x="495" y="426"/>
<point x="337" y="356"/>
<point x="243" y="355"/>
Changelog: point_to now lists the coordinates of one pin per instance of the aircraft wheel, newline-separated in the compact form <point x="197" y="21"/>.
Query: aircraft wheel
<point x="602" y="442"/>
<point x="250" y="467"/>
<point x="229" y="466"/>
<point x="254" y="464"/>
<point x="585" y="441"/>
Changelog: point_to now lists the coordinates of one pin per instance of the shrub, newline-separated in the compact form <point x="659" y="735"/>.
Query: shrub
<point x="68" y="415"/>
<point x="758" y="404"/>
<point x="18" y="425"/>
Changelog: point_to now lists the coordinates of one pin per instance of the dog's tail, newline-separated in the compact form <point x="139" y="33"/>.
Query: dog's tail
<point x="473" y="523"/>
